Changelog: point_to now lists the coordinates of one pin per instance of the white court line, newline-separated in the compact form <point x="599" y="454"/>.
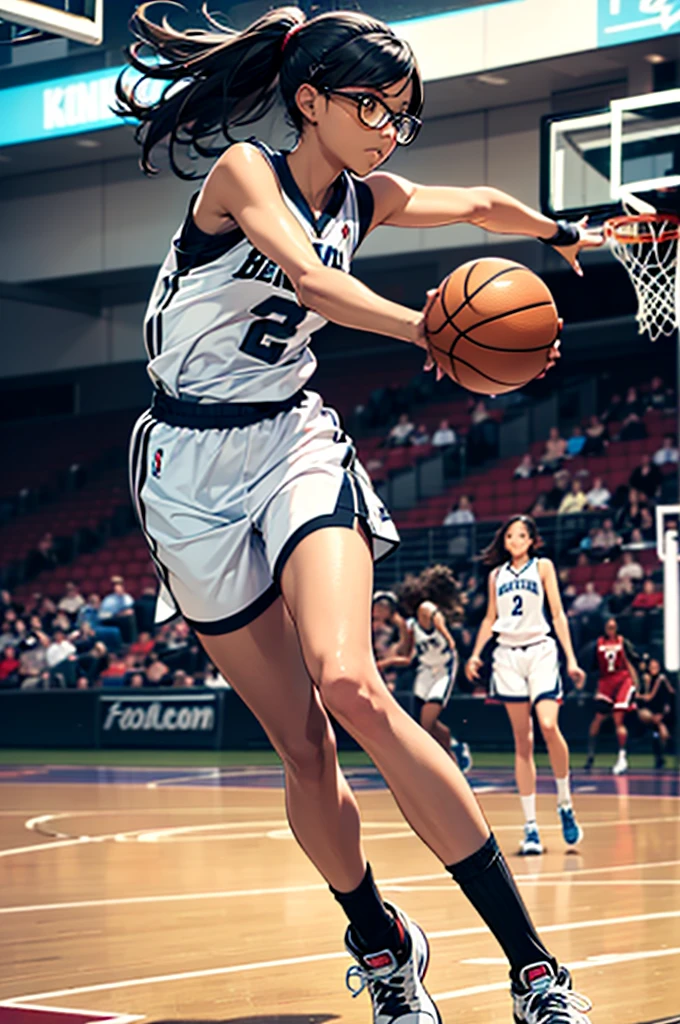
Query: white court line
<point x="111" y="1018"/>
<point x="395" y="884"/>
<point x="406" y="833"/>
<point x="212" y="972"/>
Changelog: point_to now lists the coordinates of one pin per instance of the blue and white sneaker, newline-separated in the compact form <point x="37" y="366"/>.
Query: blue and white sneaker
<point x="571" y="830"/>
<point x="531" y="845"/>
<point x="394" y="980"/>
<point x="544" y="996"/>
<point x="461" y="752"/>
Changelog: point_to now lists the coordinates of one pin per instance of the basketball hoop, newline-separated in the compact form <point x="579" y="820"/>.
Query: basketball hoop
<point x="647" y="246"/>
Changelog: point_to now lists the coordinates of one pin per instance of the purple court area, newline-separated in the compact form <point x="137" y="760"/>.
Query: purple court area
<point x="635" y="783"/>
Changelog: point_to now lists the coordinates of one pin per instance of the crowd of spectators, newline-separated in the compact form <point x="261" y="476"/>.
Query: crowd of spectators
<point x="82" y="642"/>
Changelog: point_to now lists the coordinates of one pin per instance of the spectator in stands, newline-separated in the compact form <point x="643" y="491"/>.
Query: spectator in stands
<point x="621" y="597"/>
<point x="143" y="645"/>
<point x="7" y="603"/>
<point x="400" y="434"/>
<point x="89" y="612"/>
<point x="444" y="436"/>
<point x="145" y="608"/>
<point x="461" y="514"/>
<point x="420" y="436"/>
<point x="588" y="601"/>
<point x="94" y="661"/>
<point x="648" y="598"/>
<point x="82" y="683"/>
<point x="32" y="658"/>
<point x="614" y="411"/>
<point x="136" y="681"/>
<point x="482" y="440"/>
<point x="598" y="497"/>
<point x="118" y="609"/>
<point x="539" y="507"/>
<point x="9" y="668"/>
<point x="72" y="601"/>
<point x="8" y="634"/>
<point x="606" y="542"/>
<point x="574" y="501"/>
<point x="61" y="658"/>
<point x="526" y="469"/>
<point x="630" y="569"/>
<point x="658" y="395"/>
<point x="156" y="671"/>
<point x="47" y="612"/>
<point x="646" y="478"/>
<point x="632" y="427"/>
<point x="630" y="514"/>
<point x="596" y="437"/>
<point x="561" y="487"/>
<point x="43" y="556"/>
<point x="576" y="442"/>
<point x="179" y="679"/>
<point x="667" y="454"/>
<point x="116" y="669"/>
<point x="647" y="526"/>
<point x="213" y="680"/>
<point x="555" y="451"/>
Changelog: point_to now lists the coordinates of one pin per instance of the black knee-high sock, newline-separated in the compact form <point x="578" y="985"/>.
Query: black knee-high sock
<point x="372" y="924"/>
<point x="486" y="880"/>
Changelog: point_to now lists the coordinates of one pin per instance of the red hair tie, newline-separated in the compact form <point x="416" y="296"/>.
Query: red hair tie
<point x="289" y="35"/>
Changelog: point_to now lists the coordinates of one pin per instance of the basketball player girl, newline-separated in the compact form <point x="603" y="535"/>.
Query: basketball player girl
<point x="525" y="666"/>
<point x="428" y="599"/>
<point x="262" y="523"/>
<point x="389" y="634"/>
<point x="655" y="707"/>
<point x="615" y="694"/>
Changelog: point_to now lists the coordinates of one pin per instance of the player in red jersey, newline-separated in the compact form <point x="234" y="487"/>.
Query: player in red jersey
<point x="615" y="691"/>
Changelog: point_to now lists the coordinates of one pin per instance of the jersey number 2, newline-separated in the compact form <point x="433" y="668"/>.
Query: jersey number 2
<point x="517" y="605"/>
<point x="258" y="340"/>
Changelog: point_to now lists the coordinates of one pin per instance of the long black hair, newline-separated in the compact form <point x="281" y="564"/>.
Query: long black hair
<point x="497" y="553"/>
<point x="220" y="79"/>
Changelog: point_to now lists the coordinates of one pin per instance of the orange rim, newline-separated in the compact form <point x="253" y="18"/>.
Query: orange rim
<point x="615" y="228"/>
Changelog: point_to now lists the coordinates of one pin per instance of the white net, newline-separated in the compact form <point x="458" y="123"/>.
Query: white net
<point x="647" y="246"/>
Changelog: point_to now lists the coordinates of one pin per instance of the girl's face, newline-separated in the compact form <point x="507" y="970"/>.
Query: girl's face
<point x="610" y="627"/>
<point x="341" y="117"/>
<point x="654" y="667"/>
<point x="517" y="540"/>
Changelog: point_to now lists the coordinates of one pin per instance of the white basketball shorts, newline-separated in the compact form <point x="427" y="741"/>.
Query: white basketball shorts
<point x="223" y="509"/>
<point x="526" y="673"/>
<point x="435" y="684"/>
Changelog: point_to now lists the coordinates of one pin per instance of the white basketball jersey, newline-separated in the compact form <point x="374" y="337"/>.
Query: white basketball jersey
<point x="431" y="647"/>
<point x="519" y="603"/>
<point x="223" y="323"/>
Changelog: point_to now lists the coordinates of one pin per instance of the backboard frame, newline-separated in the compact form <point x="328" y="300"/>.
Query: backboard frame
<point x="590" y="117"/>
<point x="51" y="19"/>
<point x="619" y="108"/>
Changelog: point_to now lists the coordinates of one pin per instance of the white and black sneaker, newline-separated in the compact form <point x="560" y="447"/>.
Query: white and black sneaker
<point x="543" y="996"/>
<point x="394" y="980"/>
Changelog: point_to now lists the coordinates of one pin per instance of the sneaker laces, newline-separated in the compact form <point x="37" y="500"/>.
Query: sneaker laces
<point x="393" y="994"/>
<point x="554" y="1006"/>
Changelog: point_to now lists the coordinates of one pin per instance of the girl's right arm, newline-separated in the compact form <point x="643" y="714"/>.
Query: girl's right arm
<point x="484" y="633"/>
<point x="242" y="186"/>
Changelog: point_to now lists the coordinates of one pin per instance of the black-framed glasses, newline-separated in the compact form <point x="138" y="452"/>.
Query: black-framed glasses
<point x="374" y="113"/>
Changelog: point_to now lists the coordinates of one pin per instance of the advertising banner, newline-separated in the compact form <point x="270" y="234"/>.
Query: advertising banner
<point x="159" y="720"/>
<point x="627" y="21"/>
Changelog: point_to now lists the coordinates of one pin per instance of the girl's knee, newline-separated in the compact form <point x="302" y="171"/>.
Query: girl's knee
<point x="354" y="697"/>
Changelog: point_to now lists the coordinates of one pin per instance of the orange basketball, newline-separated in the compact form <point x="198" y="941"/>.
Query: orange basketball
<point x="491" y="326"/>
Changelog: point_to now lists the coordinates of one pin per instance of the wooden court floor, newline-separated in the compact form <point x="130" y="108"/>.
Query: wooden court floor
<point x="178" y="902"/>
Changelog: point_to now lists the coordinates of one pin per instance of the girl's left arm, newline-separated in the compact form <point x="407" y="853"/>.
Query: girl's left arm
<point x="552" y="592"/>
<point x="439" y="622"/>
<point x="402" y="203"/>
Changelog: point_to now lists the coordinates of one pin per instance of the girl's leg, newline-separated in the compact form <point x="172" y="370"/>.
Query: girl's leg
<point x="547" y="712"/>
<point x="593" y="733"/>
<point x="263" y="663"/>
<point x="525" y="766"/>
<point x="622" y="738"/>
<point x="327" y="584"/>
<point x="429" y="720"/>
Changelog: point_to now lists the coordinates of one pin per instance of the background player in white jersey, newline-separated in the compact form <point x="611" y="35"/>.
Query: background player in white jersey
<point x="262" y="524"/>
<point x="428" y="599"/>
<point x="525" y="672"/>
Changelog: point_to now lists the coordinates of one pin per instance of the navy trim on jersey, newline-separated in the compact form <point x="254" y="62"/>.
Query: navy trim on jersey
<point x="230" y="623"/>
<point x="196" y="247"/>
<point x="279" y="165"/>
<point x="343" y="515"/>
<point x="366" y="207"/>
<point x="554" y="694"/>
<point x="524" y="567"/>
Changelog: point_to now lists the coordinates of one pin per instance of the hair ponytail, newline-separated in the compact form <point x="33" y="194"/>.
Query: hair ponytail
<point x="219" y="79"/>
